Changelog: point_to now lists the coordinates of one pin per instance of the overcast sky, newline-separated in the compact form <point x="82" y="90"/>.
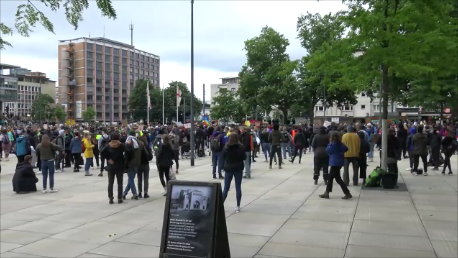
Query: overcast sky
<point x="163" y="28"/>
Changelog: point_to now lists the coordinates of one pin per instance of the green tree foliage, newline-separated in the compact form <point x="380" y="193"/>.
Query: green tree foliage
<point x="314" y="31"/>
<point x="28" y="15"/>
<point x="138" y="102"/>
<point x="59" y="113"/>
<point x="399" y="38"/>
<point x="228" y="107"/>
<point x="89" y="114"/>
<point x="267" y="78"/>
<point x="41" y="107"/>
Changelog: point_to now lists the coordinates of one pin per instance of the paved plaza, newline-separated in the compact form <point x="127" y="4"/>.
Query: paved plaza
<point x="282" y="216"/>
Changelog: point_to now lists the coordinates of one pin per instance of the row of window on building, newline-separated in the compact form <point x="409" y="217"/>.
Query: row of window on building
<point x="375" y="108"/>
<point x="29" y="88"/>
<point x="116" y="52"/>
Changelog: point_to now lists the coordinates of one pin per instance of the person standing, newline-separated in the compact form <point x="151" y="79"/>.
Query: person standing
<point x="449" y="146"/>
<point x="175" y="144"/>
<point x="6" y="144"/>
<point x="76" y="148"/>
<point x="46" y="150"/>
<point x="134" y="149"/>
<point x="246" y="139"/>
<point x="320" y="158"/>
<point x="336" y="151"/>
<point x="216" y="146"/>
<point x="143" y="170"/>
<point x="353" y="144"/>
<point x="116" y="163"/>
<point x="22" y="147"/>
<point x="436" y="140"/>
<point x="420" y="144"/>
<point x="102" y="143"/>
<point x="233" y="157"/>
<point x="275" y="139"/>
<point x="88" y="153"/>
<point x="300" y="142"/>
<point x="164" y="161"/>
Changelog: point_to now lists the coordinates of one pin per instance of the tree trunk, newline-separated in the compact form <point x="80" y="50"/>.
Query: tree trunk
<point x="285" y="114"/>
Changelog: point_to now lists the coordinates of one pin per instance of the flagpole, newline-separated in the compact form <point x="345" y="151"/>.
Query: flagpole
<point x="178" y="104"/>
<point x="163" y="110"/>
<point x="148" y="101"/>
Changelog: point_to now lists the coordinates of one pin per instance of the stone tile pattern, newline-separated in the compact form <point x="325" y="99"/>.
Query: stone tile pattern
<point x="281" y="216"/>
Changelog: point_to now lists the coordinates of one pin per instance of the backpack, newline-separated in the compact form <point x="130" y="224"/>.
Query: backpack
<point x="103" y="143"/>
<point x="6" y="139"/>
<point x="157" y="145"/>
<point x="286" y="136"/>
<point x="149" y="153"/>
<point x="374" y="179"/>
<point x="215" y="143"/>
<point x="68" y="140"/>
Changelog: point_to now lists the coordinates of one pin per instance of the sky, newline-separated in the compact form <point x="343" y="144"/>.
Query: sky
<point x="164" y="28"/>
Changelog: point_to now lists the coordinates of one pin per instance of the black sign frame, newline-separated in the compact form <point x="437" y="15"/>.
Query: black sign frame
<point x="217" y="246"/>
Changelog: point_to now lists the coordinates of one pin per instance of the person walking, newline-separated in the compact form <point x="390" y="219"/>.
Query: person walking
<point x="336" y="151"/>
<point x="143" y="170"/>
<point x="320" y="158"/>
<point x="76" y="148"/>
<point x="6" y="144"/>
<point x="420" y="144"/>
<point x="436" y="140"/>
<point x="353" y="144"/>
<point x="216" y="146"/>
<point x="116" y="163"/>
<point x="300" y="142"/>
<point x="246" y="139"/>
<point x="46" y="150"/>
<point x="102" y="143"/>
<point x="275" y="140"/>
<point x="164" y="161"/>
<point x="449" y="146"/>
<point x="134" y="148"/>
<point x="233" y="157"/>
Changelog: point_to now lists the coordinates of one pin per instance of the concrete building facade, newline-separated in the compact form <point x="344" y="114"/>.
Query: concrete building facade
<point x="20" y="87"/>
<point x="229" y="83"/>
<point x="101" y="73"/>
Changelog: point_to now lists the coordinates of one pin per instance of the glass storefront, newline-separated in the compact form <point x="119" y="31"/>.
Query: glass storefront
<point x="8" y="88"/>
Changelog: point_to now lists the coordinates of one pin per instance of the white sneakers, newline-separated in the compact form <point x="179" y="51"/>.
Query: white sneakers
<point x="237" y="209"/>
<point x="50" y="191"/>
<point x="165" y="191"/>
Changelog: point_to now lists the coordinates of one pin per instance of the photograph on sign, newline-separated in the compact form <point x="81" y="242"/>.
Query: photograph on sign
<point x="190" y="222"/>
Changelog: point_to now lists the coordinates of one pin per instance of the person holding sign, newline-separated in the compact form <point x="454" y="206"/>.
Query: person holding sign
<point x="233" y="158"/>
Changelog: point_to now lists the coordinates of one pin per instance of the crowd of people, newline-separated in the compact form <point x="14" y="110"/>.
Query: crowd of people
<point x="232" y="148"/>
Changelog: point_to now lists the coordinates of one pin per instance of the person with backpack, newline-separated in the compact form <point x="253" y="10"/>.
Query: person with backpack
<point x="102" y="143"/>
<point x="157" y="143"/>
<point x="175" y="144"/>
<point x="6" y="144"/>
<point x="143" y="170"/>
<point x="68" y="151"/>
<point x="449" y="146"/>
<point x="286" y="144"/>
<point x="216" y="146"/>
<point x="22" y="147"/>
<point x="76" y="148"/>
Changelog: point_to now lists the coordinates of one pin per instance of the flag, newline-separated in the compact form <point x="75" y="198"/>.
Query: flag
<point x="178" y="96"/>
<point x="147" y="95"/>
<point x="206" y="120"/>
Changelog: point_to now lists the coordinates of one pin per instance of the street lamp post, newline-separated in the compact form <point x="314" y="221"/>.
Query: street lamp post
<point x="193" y="143"/>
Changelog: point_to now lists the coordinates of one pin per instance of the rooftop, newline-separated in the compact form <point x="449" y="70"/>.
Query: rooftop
<point x="8" y="66"/>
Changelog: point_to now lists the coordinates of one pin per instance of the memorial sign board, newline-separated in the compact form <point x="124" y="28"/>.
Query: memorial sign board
<point x="194" y="221"/>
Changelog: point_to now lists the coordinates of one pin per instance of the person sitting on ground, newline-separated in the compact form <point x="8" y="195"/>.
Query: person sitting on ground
<point x="24" y="179"/>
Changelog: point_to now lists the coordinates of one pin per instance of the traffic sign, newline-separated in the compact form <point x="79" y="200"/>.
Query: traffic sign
<point x="446" y="110"/>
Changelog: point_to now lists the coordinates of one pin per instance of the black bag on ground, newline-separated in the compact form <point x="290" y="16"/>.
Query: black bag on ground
<point x="389" y="180"/>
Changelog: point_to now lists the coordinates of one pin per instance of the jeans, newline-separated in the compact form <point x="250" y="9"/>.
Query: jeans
<point x="346" y="177"/>
<point x="143" y="176"/>
<point x="87" y="164"/>
<point x="298" y="149"/>
<point x="111" y="177"/>
<point x="371" y="150"/>
<point x="131" y="182"/>
<point x="238" y="185"/>
<point x="266" y="149"/>
<point x="335" y="174"/>
<point x="216" y="161"/>
<point x="47" y="169"/>
<point x="318" y="164"/>
<point x="275" y="149"/>
<point x="416" y="160"/>
<point x="248" y="164"/>
<point x="286" y="147"/>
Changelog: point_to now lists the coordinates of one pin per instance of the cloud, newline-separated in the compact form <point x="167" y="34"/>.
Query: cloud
<point x="163" y="28"/>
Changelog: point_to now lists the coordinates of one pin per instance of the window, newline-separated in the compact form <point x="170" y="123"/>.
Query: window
<point x="232" y="89"/>
<point x="116" y="67"/>
<point x="124" y="61"/>
<point x="89" y="79"/>
<point x="116" y="51"/>
<point x="115" y="98"/>
<point x="347" y="108"/>
<point x="116" y="60"/>
<point x="89" y="64"/>
<point x="319" y="108"/>
<point x="98" y="48"/>
<point x="99" y="114"/>
<point x="363" y="94"/>
<point x="107" y="67"/>
<point x="363" y="107"/>
<point x="124" y="92"/>
<point x="376" y="108"/>
<point x="99" y="65"/>
<point x="116" y="91"/>
<point x="99" y="57"/>
<point x="107" y="81"/>
<point x="98" y="74"/>
<point x="107" y="75"/>
<point x="98" y="98"/>
<point x="89" y="46"/>
<point x="89" y="97"/>
<point x="124" y="53"/>
<point x="107" y="50"/>
<point x="89" y="55"/>
<point x="107" y="58"/>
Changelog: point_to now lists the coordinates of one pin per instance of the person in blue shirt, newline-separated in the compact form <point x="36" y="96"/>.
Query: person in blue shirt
<point x="336" y="150"/>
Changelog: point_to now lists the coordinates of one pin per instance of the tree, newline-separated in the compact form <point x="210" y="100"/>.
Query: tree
<point x="41" y="107"/>
<point x="28" y="15"/>
<point x="171" y="104"/>
<point x="89" y="114"/>
<point x="267" y="78"/>
<point x="314" y="31"/>
<point x="227" y="106"/>
<point x="59" y="113"/>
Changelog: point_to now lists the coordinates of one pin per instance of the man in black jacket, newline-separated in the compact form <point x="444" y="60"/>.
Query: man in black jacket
<point x="246" y="140"/>
<point x="24" y="179"/>
<point x="116" y="165"/>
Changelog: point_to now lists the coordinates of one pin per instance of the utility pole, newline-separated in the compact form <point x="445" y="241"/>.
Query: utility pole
<point x="203" y="100"/>
<point x="184" y="111"/>
<point x="193" y="141"/>
<point x="131" y="28"/>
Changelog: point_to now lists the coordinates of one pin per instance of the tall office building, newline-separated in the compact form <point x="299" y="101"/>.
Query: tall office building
<point x="101" y="73"/>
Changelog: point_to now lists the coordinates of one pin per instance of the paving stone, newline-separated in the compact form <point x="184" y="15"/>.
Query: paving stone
<point x="85" y="236"/>
<point x="297" y="251"/>
<point x="118" y="249"/>
<point x="255" y="223"/>
<point x="143" y="237"/>
<point x="250" y="241"/>
<point x="21" y="237"/>
<point x="56" y="248"/>
<point x="390" y="241"/>
<point x="399" y="228"/>
<point x="354" y="251"/>
<point x="439" y="215"/>
<point x="7" y="223"/>
<point x="441" y="230"/>
<point x="5" y="247"/>
<point x="316" y="238"/>
<point x="46" y="227"/>
<point x="299" y="224"/>
<point x="18" y="255"/>
<point x="445" y="248"/>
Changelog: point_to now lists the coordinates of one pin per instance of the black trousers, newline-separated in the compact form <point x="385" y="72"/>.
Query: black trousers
<point x="393" y="168"/>
<point x="334" y="174"/>
<point x="416" y="160"/>
<point x="346" y="176"/>
<point x="436" y="153"/>
<point x="68" y="158"/>
<point x="321" y="163"/>
<point x="298" y="149"/>
<point x="447" y="163"/>
<point x="164" y="172"/>
<point x="176" y="157"/>
<point x="111" y="177"/>
<point x="275" y="149"/>
<point x="102" y="163"/>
